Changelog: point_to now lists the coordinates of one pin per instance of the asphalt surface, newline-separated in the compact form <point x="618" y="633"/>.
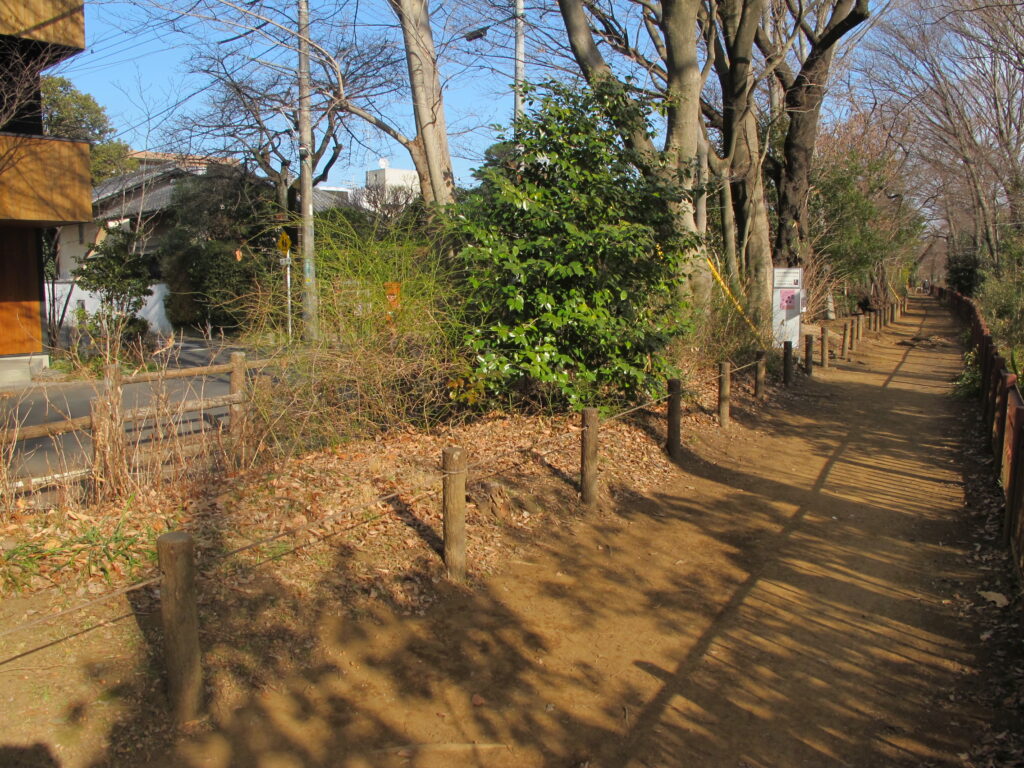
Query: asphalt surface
<point x="44" y="402"/>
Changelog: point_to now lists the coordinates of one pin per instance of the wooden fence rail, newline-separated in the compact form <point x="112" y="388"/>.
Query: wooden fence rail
<point x="1002" y="407"/>
<point x="107" y="416"/>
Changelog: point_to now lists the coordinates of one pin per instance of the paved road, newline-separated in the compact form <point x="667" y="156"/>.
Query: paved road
<point x="48" y="402"/>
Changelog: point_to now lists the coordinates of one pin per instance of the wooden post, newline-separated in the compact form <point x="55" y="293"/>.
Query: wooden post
<point x="760" y="375"/>
<point x="109" y="454"/>
<point x="675" y="416"/>
<point x="787" y="363"/>
<point x="860" y="326"/>
<point x="724" y="376"/>
<point x="824" y="347"/>
<point x="809" y="354"/>
<point x="181" y="625"/>
<point x="844" y="344"/>
<point x="453" y="505"/>
<point x="237" y="410"/>
<point x="588" y="457"/>
<point x="98" y="433"/>
<point x="983" y="358"/>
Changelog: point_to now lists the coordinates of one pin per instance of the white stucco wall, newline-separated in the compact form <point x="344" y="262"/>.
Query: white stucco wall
<point x="153" y="311"/>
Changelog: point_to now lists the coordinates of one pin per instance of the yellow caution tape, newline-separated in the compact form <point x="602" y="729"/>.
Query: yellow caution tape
<point x="725" y="288"/>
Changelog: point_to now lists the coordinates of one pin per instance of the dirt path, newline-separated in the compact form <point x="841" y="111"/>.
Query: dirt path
<point x="790" y="599"/>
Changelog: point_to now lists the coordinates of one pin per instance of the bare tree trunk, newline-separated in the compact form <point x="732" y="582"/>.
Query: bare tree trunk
<point x="805" y="93"/>
<point x="428" y="99"/>
<point x="752" y="214"/>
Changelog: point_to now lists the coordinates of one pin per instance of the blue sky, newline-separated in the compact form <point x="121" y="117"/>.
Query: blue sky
<point x="135" y="69"/>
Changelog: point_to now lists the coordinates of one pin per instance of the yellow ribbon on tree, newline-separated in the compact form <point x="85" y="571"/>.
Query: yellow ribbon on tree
<point x="729" y="293"/>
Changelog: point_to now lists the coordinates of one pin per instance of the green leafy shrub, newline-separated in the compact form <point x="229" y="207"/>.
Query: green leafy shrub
<point x="120" y="271"/>
<point x="968" y="384"/>
<point x="573" y="296"/>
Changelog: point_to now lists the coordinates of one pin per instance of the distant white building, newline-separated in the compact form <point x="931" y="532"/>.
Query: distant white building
<point x="393" y="178"/>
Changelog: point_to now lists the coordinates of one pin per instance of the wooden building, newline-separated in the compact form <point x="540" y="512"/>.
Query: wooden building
<point x="44" y="181"/>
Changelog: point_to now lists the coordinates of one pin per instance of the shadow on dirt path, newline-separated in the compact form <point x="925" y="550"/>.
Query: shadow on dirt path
<point x="785" y="601"/>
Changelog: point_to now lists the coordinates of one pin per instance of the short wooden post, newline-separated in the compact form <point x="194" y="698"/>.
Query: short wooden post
<point x="760" y="375"/>
<point x="176" y="553"/>
<point x="115" y="402"/>
<point x="724" y="376"/>
<point x="860" y="326"/>
<point x="109" y="444"/>
<point x="98" y="433"/>
<point x="787" y="363"/>
<point x="237" y="410"/>
<point x="453" y="504"/>
<point x="809" y="354"/>
<point x="824" y="347"/>
<point x="588" y="457"/>
<point x="844" y="344"/>
<point x="675" y="416"/>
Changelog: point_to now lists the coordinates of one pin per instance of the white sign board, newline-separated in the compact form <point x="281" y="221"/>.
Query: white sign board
<point x="788" y="301"/>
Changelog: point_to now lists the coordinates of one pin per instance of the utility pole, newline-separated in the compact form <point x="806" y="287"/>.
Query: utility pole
<point x="520" y="73"/>
<point x="310" y="302"/>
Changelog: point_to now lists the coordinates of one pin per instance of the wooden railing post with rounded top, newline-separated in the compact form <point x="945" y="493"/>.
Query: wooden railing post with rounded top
<point x="824" y="347"/>
<point x="787" y="363"/>
<point x="588" y="457"/>
<point x="724" y="377"/>
<point x="844" y="344"/>
<point x="760" y="375"/>
<point x="809" y="354"/>
<point x="675" y="416"/>
<point x="453" y="505"/>
<point x="180" y="617"/>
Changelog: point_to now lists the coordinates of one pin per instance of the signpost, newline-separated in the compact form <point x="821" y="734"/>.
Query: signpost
<point x="284" y="245"/>
<point x="788" y="301"/>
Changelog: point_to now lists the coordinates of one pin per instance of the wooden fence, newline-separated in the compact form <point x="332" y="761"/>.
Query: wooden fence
<point x="1002" y="416"/>
<point x="108" y="418"/>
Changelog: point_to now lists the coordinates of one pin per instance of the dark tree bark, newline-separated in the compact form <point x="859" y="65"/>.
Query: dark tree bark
<point x="804" y="94"/>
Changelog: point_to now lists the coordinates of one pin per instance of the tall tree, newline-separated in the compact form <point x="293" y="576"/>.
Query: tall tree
<point x="802" y="72"/>
<point x="72" y="114"/>
<point x="671" y="26"/>
<point x="267" y="29"/>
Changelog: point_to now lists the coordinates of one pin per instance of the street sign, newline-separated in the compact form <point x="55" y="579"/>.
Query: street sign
<point x="284" y="243"/>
